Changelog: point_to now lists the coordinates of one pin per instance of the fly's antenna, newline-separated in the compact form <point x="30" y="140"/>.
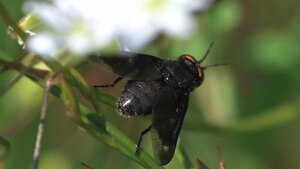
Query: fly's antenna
<point x="206" y="53"/>
<point x="213" y="65"/>
<point x="205" y="56"/>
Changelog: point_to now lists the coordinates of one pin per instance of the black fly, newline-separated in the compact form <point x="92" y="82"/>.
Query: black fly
<point x="160" y="87"/>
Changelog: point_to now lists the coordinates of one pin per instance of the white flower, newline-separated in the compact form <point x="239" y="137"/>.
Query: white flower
<point x="73" y="26"/>
<point x="86" y="26"/>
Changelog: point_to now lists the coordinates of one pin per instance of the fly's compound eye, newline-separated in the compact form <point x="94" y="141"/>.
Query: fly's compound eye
<point x="188" y="59"/>
<point x="192" y="65"/>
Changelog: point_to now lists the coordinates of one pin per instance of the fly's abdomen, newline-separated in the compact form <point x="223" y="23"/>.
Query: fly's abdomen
<point x="137" y="97"/>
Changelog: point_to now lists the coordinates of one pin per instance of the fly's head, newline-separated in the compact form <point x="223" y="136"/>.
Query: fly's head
<point x="195" y="69"/>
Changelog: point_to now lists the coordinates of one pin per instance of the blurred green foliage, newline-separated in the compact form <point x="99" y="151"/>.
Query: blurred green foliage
<point x="250" y="107"/>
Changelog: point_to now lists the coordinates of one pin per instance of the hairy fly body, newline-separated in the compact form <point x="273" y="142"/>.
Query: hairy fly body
<point x="158" y="87"/>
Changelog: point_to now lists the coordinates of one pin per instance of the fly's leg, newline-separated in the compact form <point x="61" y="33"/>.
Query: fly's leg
<point x="110" y="85"/>
<point x="138" y="145"/>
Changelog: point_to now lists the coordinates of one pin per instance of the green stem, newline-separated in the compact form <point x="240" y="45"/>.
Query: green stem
<point x="94" y="123"/>
<point x="9" y="21"/>
<point x="275" y="117"/>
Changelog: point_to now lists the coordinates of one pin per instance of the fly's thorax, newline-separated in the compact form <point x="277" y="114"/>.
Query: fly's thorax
<point x="184" y="73"/>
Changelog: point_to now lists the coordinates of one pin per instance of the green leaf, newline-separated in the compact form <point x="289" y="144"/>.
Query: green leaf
<point x="182" y="156"/>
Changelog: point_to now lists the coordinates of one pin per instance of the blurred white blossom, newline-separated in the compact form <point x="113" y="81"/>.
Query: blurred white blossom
<point x="85" y="26"/>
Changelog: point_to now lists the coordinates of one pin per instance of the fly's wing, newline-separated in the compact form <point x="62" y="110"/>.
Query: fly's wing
<point x="134" y="65"/>
<point x="168" y="114"/>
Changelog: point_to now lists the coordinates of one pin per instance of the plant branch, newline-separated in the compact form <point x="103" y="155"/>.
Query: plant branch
<point x="9" y="21"/>
<point x="39" y="137"/>
<point x="93" y="122"/>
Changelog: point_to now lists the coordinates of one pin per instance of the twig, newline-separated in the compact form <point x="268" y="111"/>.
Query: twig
<point x="86" y="166"/>
<point x="37" y="147"/>
<point x="10" y="84"/>
<point x="221" y="158"/>
<point x="200" y="164"/>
